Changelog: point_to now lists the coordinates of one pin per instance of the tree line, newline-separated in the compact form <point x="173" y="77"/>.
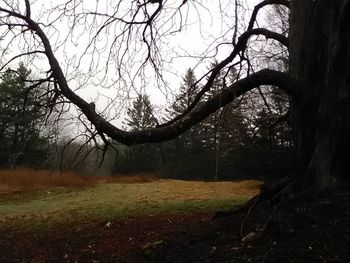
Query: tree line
<point x="251" y="137"/>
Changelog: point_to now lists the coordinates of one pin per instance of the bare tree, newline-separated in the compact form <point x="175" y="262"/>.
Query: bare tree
<point x="132" y="38"/>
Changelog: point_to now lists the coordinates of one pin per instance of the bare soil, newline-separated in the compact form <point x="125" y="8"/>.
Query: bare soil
<point x="131" y="240"/>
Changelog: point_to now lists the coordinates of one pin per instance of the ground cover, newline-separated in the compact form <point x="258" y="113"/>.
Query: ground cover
<point x="105" y="219"/>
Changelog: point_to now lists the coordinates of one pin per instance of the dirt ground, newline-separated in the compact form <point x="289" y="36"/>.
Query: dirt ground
<point x="302" y="232"/>
<point x="132" y="240"/>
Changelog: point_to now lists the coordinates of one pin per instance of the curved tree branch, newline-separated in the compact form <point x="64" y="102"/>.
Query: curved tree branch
<point x="252" y="20"/>
<point x="269" y="35"/>
<point x="19" y="56"/>
<point x="190" y="117"/>
<point x="263" y="77"/>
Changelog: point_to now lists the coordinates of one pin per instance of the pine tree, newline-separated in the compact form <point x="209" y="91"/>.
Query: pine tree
<point x="192" y="140"/>
<point x="140" y="115"/>
<point x="186" y="94"/>
<point x="144" y="157"/>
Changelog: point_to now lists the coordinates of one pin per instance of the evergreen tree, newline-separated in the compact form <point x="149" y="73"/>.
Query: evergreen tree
<point x="186" y="94"/>
<point x="192" y="140"/>
<point x="140" y="115"/>
<point x="21" y="119"/>
<point x="144" y="157"/>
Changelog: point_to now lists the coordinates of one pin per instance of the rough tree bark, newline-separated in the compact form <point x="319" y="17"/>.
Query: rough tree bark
<point x="320" y="58"/>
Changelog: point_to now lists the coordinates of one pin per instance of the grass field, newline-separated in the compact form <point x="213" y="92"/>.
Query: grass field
<point x="40" y="198"/>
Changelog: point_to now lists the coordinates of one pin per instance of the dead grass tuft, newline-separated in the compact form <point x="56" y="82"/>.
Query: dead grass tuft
<point x="129" y="179"/>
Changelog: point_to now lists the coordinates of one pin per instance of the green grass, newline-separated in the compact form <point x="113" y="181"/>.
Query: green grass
<point x="107" y="201"/>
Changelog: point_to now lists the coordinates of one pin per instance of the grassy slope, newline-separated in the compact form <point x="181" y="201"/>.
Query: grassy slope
<point x="121" y="200"/>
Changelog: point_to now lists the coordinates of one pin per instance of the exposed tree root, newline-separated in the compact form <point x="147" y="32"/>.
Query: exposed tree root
<point x="287" y="191"/>
<point x="269" y="195"/>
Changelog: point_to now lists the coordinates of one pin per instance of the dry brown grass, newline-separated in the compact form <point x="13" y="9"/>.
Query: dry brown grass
<point x="26" y="179"/>
<point x="198" y="190"/>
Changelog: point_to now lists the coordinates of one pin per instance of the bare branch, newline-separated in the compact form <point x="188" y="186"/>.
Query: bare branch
<point x="264" y="77"/>
<point x="269" y="34"/>
<point x="197" y="111"/>
<point x="19" y="56"/>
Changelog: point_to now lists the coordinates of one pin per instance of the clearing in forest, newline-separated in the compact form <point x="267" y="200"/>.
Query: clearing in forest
<point x="106" y="198"/>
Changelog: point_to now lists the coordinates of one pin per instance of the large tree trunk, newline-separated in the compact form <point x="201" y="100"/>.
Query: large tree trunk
<point x="320" y="57"/>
